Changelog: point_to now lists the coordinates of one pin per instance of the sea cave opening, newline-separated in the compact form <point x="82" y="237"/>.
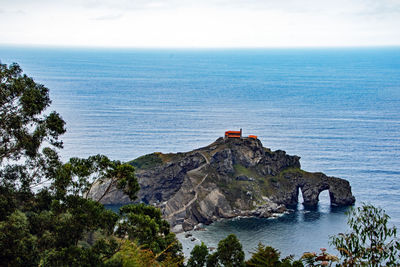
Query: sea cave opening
<point x="324" y="198"/>
<point x="324" y="201"/>
<point x="300" y="199"/>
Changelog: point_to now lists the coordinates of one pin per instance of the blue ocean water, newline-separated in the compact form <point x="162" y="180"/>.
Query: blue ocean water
<point x="339" y="109"/>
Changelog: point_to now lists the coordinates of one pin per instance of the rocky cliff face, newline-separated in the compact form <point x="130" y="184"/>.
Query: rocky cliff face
<point x="229" y="178"/>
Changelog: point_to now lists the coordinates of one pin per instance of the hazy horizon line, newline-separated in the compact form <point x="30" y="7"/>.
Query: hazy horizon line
<point x="54" y="46"/>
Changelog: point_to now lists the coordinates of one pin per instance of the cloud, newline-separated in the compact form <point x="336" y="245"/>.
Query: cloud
<point x="380" y="8"/>
<point x="206" y="23"/>
<point x="366" y="7"/>
<point x="131" y="5"/>
<point x="20" y="12"/>
<point x="13" y="11"/>
<point x="285" y="5"/>
<point x="109" y="17"/>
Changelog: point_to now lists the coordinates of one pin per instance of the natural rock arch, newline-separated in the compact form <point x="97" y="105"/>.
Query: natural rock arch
<point x="339" y="190"/>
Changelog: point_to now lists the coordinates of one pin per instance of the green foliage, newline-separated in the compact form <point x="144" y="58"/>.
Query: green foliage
<point x="242" y="170"/>
<point x="147" y="161"/>
<point x="198" y="256"/>
<point x="52" y="235"/>
<point x="23" y="126"/>
<point x="266" y="256"/>
<point x="144" y="224"/>
<point x="212" y="260"/>
<point x="131" y="255"/>
<point x="78" y="256"/>
<point x="78" y="176"/>
<point x="289" y="262"/>
<point x="229" y="253"/>
<point x="274" y="180"/>
<point x="28" y="134"/>
<point x="46" y="215"/>
<point x="17" y="244"/>
<point x="294" y="170"/>
<point x="371" y="241"/>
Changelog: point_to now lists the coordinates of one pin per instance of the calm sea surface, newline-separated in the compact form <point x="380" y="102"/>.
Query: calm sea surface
<point x="339" y="109"/>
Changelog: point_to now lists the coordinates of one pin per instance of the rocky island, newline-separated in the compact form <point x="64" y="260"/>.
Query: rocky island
<point x="229" y="178"/>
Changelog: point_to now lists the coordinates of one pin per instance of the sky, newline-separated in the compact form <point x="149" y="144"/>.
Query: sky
<point x="200" y="24"/>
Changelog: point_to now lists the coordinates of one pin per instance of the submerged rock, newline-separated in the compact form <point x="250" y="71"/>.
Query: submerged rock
<point x="229" y="178"/>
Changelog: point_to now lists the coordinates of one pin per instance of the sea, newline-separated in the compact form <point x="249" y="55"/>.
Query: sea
<point x="336" y="108"/>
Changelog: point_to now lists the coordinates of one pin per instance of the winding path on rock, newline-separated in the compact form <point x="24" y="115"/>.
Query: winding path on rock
<point x="195" y="188"/>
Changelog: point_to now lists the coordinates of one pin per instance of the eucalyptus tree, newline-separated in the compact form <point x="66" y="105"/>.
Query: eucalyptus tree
<point x="45" y="211"/>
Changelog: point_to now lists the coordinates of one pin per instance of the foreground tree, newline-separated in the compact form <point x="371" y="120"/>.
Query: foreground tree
<point x="23" y="126"/>
<point x="144" y="225"/>
<point x="198" y="256"/>
<point x="371" y="241"/>
<point x="266" y="256"/>
<point x="130" y="254"/>
<point x="229" y="253"/>
<point x="47" y="215"/>
<point x="28" y="138"/>
<point x="78" y="177"/>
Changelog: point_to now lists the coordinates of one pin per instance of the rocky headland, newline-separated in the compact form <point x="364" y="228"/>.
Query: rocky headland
<point x="229" y="178"/>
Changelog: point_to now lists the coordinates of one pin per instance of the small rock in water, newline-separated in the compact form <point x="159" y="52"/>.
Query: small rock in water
<point x="188" y="235"/>
<point x="193" y="239"/>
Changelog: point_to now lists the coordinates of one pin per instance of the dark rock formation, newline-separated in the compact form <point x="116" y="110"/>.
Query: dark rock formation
<point x="311" y="185"/>
<point x="229" y="178"/>
<point x="244" y="178"/>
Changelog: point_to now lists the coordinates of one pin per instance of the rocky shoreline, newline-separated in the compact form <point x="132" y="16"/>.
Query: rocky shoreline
<point x="265" y="211"/>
